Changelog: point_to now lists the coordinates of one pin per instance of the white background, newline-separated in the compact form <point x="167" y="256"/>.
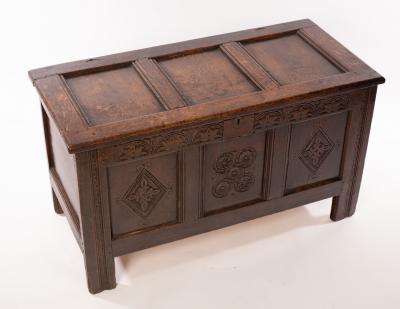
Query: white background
<point x="295" y="259"/>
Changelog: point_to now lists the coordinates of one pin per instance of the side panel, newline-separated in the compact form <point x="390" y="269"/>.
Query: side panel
<point x="63" y="177"/>
<point x="65" y="166"/>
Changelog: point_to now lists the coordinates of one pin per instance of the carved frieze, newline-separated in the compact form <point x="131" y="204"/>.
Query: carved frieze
<point x="179" y="139"/>
<point x="300" y="112"/>
<point x="164" y="142"/>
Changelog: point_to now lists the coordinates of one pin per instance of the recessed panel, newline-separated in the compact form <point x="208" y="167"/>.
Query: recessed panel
<point x="315" y="151"/>
<point x="290" y="59"/>
<point x="65" y="166"/>
<point x="232" y="173"/>
<point x="143" y="194"/>
<point x="113" y="95"/>
<point x="206" y="76"/>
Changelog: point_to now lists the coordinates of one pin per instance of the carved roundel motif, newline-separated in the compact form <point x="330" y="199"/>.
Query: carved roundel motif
<point x="224" y="162"/>
<point x="234" y="174"/>
<point x="244" y="183"/>
<point x="245" y="158"/>
<point x="233" y="165"/>
<point x="221" y="188"/>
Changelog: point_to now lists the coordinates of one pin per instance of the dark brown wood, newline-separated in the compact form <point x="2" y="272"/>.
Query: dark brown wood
<point x="139" y="241"/>
<point x="249" y="66"/>
<point x="96" y="229"/>
<point x="56" y="203"/>
<point x="64" y="203"/>
<point x="155" y="145"/>
<point x="358" y="129"/>
<point x="163" y="87"/>
<point x="70" y="115"/>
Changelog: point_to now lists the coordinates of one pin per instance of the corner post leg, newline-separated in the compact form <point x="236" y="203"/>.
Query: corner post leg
<point x="357" y="134"/>
<point x="96" y="229"/>
<point x="56" y="203"/>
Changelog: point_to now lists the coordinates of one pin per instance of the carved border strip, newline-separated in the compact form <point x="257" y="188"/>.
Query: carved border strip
<point x="300" y="112"/>
<point x="362" y="143"/>
<point x="179" y="139"/>
<point x="164" y="142"/>
<point x="180" y="187"/>
<point x="269" y="150"/>
<point x="98" y="226"/>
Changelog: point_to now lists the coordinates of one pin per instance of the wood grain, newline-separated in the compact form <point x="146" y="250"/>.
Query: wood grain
<point x="151" y="146"/>
<point x="103" y="101"/>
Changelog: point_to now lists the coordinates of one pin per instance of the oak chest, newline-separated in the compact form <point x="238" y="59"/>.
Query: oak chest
<point x="150" y="146"/>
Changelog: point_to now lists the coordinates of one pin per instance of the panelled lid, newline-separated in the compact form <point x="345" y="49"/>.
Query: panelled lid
<point x="110" y="99"/>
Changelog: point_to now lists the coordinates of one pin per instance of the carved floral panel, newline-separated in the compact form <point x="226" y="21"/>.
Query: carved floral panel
<point x="317" y="150"/>
<point x="233" y="166"/>
<point x="144" y="193"/>
<point x="232" y="173"/>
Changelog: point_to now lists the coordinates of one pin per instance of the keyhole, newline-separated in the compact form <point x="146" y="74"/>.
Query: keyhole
<point x="237" y="122"/>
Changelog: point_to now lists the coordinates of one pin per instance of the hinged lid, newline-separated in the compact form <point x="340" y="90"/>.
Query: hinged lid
<point x="110" y="99"/>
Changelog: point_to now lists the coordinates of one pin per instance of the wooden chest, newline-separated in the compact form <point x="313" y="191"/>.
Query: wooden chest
<point x="154" y="145"/>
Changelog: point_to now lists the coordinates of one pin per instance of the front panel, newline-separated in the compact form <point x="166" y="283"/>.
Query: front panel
<point x="165" y="187"/>
<point x="144" y="194"/>
<point x="315" y="151"/>
<point x="232" y="174"/>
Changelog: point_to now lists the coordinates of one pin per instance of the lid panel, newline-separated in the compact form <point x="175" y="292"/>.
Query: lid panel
<point x="206" y="76"/>
<point x="290" y="59"/>
<point x="112" y="95"/>
<point x="108" y="100"/>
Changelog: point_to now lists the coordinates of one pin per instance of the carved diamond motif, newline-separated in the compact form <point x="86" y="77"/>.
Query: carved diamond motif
<point x="144" y="194"/>
<point x="316" y="151"/>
